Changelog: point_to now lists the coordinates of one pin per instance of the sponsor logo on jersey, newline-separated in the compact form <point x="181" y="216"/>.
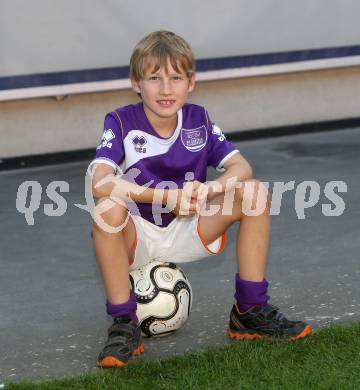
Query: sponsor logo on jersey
<point x="217" y="131"/>
<point x="108" y="135"/>
<point x="139" y="141"/>
<point x="194" y="139"/>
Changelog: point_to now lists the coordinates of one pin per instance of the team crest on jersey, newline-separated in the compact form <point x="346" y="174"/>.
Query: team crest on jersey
<point x="139" y="142"/>
<point x="108" y="135"/>
<point x="194" y="139"/>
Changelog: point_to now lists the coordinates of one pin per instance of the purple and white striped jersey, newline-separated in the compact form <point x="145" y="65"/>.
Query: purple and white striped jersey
<point x="129" y="141"/>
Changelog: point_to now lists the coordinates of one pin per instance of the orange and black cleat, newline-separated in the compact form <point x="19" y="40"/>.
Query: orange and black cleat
<point x="265" y="322"/>
<point x="124" y="342"/>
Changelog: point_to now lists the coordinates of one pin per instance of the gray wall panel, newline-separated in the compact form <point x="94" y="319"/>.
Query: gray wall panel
<point x="46" y="125"/>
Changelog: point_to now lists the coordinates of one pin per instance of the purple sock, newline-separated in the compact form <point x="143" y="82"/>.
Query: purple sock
<point x="249" y="294"/>
<point x="127" y="308"/>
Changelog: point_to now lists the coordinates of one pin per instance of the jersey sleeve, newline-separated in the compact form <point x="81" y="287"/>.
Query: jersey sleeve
<point x="219" y="148"/>
<point x="110" y="150"/>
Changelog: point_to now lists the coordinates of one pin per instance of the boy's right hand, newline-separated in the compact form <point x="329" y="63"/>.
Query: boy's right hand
<point x="187" y="201"/>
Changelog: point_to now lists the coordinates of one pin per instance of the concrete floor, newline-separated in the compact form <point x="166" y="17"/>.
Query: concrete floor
<point x="52" y="317"/>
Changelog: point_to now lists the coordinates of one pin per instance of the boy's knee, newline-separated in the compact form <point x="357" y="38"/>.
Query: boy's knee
<point x="252" y="190"/>
<point x="113" y="214"/>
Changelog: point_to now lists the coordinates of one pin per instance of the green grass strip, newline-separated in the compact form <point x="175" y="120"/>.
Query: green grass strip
<point x="328" y="359"/>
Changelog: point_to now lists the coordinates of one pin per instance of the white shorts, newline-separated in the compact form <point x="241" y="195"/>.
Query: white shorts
<point x="179" y="242"/>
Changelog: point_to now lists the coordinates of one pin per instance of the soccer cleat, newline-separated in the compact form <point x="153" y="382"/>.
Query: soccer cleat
<point x="124" y="341"/>
<point x="264" y="322"/>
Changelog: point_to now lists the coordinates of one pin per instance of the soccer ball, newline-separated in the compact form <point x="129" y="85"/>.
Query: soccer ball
<point x="164" y="297"/>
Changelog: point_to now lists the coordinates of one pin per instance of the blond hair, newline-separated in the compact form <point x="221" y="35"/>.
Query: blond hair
<point x="156" y="49"/>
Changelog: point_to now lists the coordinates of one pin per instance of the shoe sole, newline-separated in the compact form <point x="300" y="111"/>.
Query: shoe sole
<point x="111" y="361"/>
<point x="256" y="336"/>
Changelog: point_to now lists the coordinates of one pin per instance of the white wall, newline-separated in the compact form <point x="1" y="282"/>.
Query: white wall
<point x="49" y="35"/>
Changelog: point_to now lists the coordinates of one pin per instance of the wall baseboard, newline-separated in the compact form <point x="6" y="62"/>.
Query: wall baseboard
<point x="37" y="160"/>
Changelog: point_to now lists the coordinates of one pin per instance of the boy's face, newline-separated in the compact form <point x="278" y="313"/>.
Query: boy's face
<point x="163" y="93"/>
